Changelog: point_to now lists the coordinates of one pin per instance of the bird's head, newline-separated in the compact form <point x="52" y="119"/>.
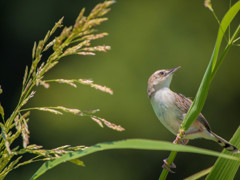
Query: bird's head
<point x="159" y="79"/>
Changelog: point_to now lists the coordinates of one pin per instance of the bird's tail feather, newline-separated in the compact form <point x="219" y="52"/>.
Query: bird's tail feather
<point x="225" y="144"/>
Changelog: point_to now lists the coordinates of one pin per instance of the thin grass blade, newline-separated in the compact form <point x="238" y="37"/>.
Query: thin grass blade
<point x="201" y="96"/>
<point x="127" y="144"/>
<point x="199" y="174"/>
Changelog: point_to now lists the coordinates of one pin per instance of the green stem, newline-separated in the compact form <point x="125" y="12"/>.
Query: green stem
<point x="229" y="28"/>
<point x="230" y="43"/>
<point x="37" y="108"/>
<point x="17" y="109"/>
<point x="236" y="39"/>
<point x="170" y="160"/>
<point x="219" y="23"/>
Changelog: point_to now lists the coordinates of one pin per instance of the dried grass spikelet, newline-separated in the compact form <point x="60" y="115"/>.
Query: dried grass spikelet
<point x="95" y="36"/>
<point x="50" y="110"/>
<point x="28" y="98"/>
<point x="208" y="4"/>
<point x="96" y="86"/>
<point x="65" y="81"/>
<point x="44" y="84"/>
<point x="102" y="121"/>
<point x="33" y="147"/>
<point x="74" y="111"/>
<point x="86" y="53"/>
<point x="5" y="137"/>
<point x="97" y="121"/>
<point x="97" y="48"/>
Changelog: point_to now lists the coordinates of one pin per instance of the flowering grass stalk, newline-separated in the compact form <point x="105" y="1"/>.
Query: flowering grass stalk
<point x="72" y="40"/>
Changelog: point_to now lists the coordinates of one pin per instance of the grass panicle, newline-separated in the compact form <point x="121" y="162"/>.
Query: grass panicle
<point x="76" y="39"/>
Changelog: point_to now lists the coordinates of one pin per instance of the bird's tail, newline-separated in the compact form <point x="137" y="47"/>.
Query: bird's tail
<point x="225" y="144"/>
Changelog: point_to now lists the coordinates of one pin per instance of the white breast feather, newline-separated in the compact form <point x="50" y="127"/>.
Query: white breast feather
<point x="163" y="102"/>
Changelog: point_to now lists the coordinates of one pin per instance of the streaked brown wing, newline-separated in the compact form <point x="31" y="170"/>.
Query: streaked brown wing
<point x="184" y="104"/>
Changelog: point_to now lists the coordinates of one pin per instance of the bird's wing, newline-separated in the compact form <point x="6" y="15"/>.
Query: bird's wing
<point x="184" y="104"/>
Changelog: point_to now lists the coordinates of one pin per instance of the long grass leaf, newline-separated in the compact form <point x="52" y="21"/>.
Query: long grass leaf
<point x="226" y="169"/>
<point x="127" y="144"/>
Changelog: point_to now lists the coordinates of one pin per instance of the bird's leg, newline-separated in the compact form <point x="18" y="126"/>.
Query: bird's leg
<point x="168" y="166"/>
<point x="180" y="140"/>
<point x="184" y="141"/>
<point x="177" y="140"/>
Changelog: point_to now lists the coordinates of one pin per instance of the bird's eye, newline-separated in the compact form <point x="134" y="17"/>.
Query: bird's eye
<point x="161" y="73"/>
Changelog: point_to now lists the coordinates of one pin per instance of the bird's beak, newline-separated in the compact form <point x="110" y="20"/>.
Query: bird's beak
<point x="173" y="70"/>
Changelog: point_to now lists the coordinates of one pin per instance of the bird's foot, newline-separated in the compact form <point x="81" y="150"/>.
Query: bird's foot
<point x="177" y="140"/>
<point x="180" y="140"/>
<point x="168" y="166"/>
<point x="184" y="141"/>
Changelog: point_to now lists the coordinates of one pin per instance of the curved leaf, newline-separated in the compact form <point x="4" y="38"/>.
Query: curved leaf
<point x="127" y="144"/>
<point x="213" y="65"/>
<point x="225" y="169"/>
<point x="210" y="72"/>
<point x="199" y="174"/>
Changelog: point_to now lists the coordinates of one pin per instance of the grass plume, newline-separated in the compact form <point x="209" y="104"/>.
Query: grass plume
<point x="72" y="40"/>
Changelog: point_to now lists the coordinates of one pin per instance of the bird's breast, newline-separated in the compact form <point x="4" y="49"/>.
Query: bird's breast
<point x="164" y="106"/>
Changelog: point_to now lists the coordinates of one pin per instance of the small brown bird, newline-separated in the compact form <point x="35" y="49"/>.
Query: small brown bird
<point x="171" y="108"/>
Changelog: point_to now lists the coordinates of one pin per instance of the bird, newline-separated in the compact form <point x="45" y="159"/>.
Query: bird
<point x="171" y="108"/>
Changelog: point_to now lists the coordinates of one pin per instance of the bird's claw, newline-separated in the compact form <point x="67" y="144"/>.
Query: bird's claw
<point x="180" y="140"/>
<point x="167" y="166"/>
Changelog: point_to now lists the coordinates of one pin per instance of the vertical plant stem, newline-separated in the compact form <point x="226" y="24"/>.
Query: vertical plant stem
<point x="229" y="28"/>
<point x="170" y="160"/>
<point x="230" y="43"/>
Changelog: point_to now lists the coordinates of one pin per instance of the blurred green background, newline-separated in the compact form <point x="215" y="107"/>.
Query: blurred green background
<point x="145" y="36"/>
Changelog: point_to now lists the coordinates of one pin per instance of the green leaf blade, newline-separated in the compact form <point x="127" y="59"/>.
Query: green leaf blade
<point x="226" y="169"/>
<point x="201" y="96"/>
<point x="77" y="162"/>
<point x="2" y="111"/>
<point x="227" y="19"/>
<point x="127" y="144"/>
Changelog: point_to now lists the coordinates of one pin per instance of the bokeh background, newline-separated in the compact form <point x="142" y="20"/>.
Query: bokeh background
<point x="145" y="36"/>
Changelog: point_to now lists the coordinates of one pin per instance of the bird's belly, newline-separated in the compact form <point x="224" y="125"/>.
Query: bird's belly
<point x="167" y="113"/>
